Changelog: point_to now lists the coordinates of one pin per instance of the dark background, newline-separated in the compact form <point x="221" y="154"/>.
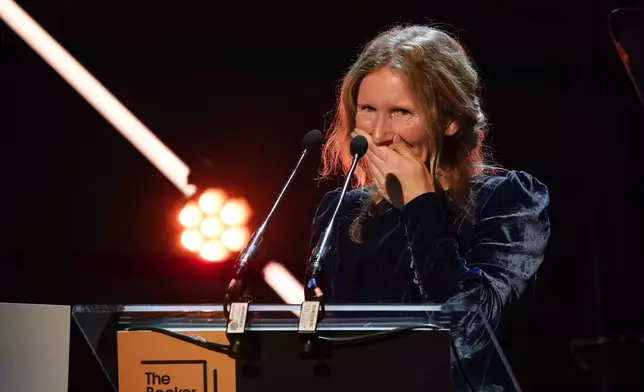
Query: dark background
<point x="87" y="219"/>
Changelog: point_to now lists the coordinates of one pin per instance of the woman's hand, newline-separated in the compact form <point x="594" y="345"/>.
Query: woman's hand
<point x="399" y="175"/>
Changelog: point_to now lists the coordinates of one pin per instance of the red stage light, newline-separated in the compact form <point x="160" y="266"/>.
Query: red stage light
<point x="215" y="225"/>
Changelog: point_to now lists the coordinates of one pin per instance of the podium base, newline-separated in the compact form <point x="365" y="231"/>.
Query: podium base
<point x="150" y="362"/>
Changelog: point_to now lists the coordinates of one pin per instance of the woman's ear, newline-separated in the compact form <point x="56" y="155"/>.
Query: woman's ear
<point x="452" y="128"/>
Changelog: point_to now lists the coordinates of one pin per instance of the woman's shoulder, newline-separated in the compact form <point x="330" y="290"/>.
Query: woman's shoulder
<point x="510" y="192"/>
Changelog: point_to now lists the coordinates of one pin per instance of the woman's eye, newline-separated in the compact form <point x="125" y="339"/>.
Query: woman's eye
<point x="402" y="112"/>
<point x="366" y="109"/>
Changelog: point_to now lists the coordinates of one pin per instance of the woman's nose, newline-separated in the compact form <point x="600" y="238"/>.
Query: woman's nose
<point x="382" y="133"/>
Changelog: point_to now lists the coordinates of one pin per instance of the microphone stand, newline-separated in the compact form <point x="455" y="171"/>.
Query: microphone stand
<point x="238" y="296"/>
<point x="322" y="248"/>
<point x="236" y="285"/>
<point x="312" y="311"/>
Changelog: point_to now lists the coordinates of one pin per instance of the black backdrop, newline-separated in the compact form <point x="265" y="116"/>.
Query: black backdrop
<point x="88" y="220"/>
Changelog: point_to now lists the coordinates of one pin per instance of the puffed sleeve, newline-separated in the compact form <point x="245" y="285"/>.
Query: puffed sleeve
<point x="511" y="229"/>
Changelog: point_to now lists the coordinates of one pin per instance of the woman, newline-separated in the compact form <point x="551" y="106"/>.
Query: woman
<point x="429" y="221"/>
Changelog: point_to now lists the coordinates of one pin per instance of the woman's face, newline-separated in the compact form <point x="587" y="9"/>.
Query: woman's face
<point x="386" y="108"/>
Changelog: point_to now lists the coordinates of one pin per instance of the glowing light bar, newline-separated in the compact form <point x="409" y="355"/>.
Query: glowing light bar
<point x="98" y="96"/>
<point x="283" y="283"/>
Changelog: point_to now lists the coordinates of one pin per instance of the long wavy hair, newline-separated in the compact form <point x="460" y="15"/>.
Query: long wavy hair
<point x="445" y="86"/>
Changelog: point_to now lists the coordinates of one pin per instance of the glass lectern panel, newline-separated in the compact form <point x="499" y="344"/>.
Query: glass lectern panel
<point x="477" y="360"/>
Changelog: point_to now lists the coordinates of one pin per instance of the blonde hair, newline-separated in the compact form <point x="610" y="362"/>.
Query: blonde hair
<point x="445" y="86"/>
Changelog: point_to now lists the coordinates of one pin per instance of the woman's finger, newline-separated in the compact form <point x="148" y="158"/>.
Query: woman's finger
<point x="375" y="158"/>
<point x="404" y="149"/>
<point x="376" y="172"/>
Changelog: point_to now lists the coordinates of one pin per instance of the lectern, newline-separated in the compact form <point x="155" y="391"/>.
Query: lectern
<point x="183" y="348"/>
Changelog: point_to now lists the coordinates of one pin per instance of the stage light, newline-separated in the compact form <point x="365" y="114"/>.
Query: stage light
<point x="214" y="251"/>
<point x="212" y="226"/>
<point x="190" y="216"/>
<point x="192" y="240"/>
<point x="215" y="225"/>
<point x="235" y="238"/>
<point x="211" y="201"/>
<point x="235" y="212"/>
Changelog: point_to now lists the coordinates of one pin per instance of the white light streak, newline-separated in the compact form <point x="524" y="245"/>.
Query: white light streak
<point x="97" y="95"/>
<point x="283" y="283"/>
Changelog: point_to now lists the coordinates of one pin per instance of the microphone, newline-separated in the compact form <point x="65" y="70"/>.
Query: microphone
<point x="312" y="140"/>
<point x="358" y="148"/>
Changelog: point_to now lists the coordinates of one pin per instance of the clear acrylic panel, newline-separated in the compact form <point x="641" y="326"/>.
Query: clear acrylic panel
<point x="479" y="364"/>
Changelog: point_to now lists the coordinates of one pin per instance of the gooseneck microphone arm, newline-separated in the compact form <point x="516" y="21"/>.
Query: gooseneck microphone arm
<point x="248" y="253"/>
<point x="359" y="147"/>
<point x="322" y="248"/>
<point x="311" y="140"/>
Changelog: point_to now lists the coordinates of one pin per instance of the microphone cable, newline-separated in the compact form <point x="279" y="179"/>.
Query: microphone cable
<point x="196" y="340"/>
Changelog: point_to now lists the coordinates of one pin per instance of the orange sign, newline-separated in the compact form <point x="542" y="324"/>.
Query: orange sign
<point x="151" y="362"/>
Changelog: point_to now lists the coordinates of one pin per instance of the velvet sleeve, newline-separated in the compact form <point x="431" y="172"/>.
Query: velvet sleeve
<point x="322" y="216"/>
<point x="320" y="220"/>
<point x="511" y="230"/>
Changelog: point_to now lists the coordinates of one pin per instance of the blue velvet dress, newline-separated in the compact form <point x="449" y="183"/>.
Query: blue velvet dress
<point x="430" y="252"/>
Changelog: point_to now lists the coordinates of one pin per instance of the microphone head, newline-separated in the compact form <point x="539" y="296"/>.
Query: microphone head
<point x="312" y="140"/>
<point x="359" y="146"/>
